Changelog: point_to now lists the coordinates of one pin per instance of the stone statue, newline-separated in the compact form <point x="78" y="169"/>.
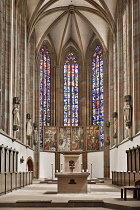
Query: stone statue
<point x="127" y="112"/>
<point x="16" y="120"/>
<point x="35" y="136"/>
<point x="29" y="128"/>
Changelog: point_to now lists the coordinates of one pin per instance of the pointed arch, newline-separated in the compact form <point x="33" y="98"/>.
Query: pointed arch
<point x="70" y="91"/>
<point x="45" y="89"/>
<point x="98" y="90"/>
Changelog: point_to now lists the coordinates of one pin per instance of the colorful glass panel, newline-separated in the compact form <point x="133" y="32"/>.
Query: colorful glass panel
<point x="70" y="91"/>
<point x="44" y="90"/>
<point x="97" y="91"/>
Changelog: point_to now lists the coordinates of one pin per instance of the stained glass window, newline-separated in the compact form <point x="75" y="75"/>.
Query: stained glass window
<point x="97" y="91"/>
<point x="44" y="90"/>
<point x="70" y="91"/>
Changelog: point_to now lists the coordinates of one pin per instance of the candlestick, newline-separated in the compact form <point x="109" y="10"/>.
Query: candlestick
<point x="91" y="171"/>
<point x="61" y="166"/>
<point x="81" y="166"/>
<point x="52" y="170"/>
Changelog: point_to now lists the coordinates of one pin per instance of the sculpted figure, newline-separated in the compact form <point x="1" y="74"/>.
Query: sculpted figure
<point x="16" y="120"/>
<point x="29" y="128"/>
<point x="35" y="136"/>
<point x="127" y="112"/>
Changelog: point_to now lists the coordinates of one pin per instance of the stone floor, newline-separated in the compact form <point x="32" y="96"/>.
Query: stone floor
<point x="103" y="194"/>
<point x="98" y="208"/>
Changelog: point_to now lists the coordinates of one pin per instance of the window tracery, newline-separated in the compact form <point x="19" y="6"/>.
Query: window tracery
<point x="97" y="91"/>
<point x="45" y="86"/>
<point x="70" y="91"/>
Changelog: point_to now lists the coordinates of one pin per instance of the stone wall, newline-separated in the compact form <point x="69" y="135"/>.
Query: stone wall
<point x="17" y="75"/>
<point x="124" y="72"/>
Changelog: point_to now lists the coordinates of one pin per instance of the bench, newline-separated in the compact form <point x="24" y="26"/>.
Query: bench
<point x="135" y="189"/>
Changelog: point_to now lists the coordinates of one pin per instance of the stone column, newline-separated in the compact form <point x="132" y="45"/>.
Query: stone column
<point x="57" y="161"/>
<point x="36" y="151"/>
<point x="53" y="91"/>
<point x="136" y="64"/>
<point x="106" y="119"/>
<point x="1" y="38"/>
<point x="109" y="98"/>
<point x="59" y="97"/>
<point x="127" y="24"/>
<point x="88" y="95"/>
<point x="5" y="65"/>
<point x="120" y="72"/>
<point x="83" y="95"/>
<point x="84" y="160"/>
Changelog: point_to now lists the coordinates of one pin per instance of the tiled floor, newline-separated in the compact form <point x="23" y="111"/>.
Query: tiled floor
<point x="43" y="192"/>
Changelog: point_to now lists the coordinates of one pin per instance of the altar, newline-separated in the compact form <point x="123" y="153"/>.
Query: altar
<point x="72" y="182"/>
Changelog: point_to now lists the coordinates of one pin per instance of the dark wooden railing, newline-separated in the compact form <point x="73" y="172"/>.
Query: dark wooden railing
<point x="13" y="181"/>
<point x="125" y="178"/>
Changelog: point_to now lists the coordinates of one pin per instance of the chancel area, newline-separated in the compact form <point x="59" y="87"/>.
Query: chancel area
<point x="69" y="96"/>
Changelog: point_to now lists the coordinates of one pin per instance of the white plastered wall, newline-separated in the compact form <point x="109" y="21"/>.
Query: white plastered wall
<point x="22" y="149"/>
<point x="96" y="164"/>
<point x="118" y="156"/>
<point x="47" y="165"/>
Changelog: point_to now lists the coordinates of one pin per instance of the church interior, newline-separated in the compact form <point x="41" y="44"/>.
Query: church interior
<point x="69" y="103"/>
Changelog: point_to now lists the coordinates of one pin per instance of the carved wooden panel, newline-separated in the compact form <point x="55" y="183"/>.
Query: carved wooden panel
<point x="138" y="158"/>
<point x="133" y="159"/>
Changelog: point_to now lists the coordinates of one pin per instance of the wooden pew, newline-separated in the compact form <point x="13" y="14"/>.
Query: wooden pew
<point x="135" y="189"/>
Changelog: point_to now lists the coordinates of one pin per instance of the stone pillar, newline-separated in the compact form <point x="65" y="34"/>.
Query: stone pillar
<point x="136" y="63"/>
<point x="5" y="63"/>
<point x="84" y="160"/>
<point x="59" y="97"/>
<point x="82" y="95"/>
<point x="88" y="95"/>
<point x="37" y="95"/>
<point x="57" y="161"/>
<point x="127" y="24"/>
<point x="36" y="160"/>
<point x="109" y="90"/>
<point x="106" y="119"/>
<point x="120" y="72"/>
<point x="53" y="90"/>
<point x="1" y="38"/>
<point x="36" y="144"/>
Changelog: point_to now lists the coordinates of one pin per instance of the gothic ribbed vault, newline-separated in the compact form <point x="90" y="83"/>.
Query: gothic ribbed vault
<point x="74" y="23"/>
